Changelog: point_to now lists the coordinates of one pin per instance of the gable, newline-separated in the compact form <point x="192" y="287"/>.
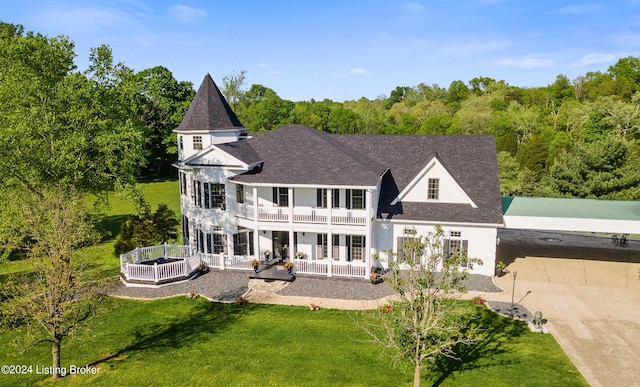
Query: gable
<point x="448" y="189"/>
<point x="214" y="156"/>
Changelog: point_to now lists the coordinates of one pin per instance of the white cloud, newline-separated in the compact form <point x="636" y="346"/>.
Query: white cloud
<point x="187" y="14"/>
<point x="82" y="20"/>
<point x="273" y="72"/>
<point x="579" y="9"/>
<point x="357" y="71"/>
<point x="415" y="7"/>
<point x="593" y="58"/>
<point x="474" y="47"/>
<point x="527" y="63"/>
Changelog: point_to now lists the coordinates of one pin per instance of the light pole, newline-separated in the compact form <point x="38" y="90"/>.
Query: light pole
<point x="513" y="290"/>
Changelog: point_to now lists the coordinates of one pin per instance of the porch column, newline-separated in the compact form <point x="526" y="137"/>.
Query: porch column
<point x="330" y="253"/>
<point x="255" y="203"/>
<point x="291" y="245"/>
<point x="256" y="243"/>
<point x="329" y="234"/>
<point x="369" y="233"/>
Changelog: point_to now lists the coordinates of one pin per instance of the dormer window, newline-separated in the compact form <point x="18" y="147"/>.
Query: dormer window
<point x="433" y="190"/>
<point x="197" y="142"/>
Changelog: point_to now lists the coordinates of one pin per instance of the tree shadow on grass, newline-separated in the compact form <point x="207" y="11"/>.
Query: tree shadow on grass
<point x="109" y="226"/>
<point x="206" y="319"/>
<point x="496" y="334"/>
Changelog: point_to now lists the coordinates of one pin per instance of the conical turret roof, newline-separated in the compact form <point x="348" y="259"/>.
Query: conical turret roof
<point x="209" y="110"/>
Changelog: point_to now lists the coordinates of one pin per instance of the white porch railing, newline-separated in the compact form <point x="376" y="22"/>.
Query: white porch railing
<point x="311" y="267"/>
<point x="350" y="269"/>
<point x="340" y="216"/>
<point x="310" y="215"/>
<point x="274" y="214"/>
<point x="304" y="215"/>
<point x="136" y="266"/>
<point x="335" y="268"/>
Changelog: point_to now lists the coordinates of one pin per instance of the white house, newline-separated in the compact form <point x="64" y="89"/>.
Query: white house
<point x="339" y="199"/>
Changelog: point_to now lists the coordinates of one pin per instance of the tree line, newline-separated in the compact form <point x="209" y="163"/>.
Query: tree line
<point x="572" y="138"/>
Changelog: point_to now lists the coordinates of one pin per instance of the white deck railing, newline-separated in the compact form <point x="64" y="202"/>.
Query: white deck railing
<point x="274" y="214"/>
<point x="304" y="215"/>
<point x="310" y="215"/>
<point x="311" y="267"/>
<point x="134" y="268"/>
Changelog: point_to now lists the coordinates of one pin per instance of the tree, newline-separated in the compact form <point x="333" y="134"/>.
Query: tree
<point x="56" y="300"/>
<point x="232" y="88"/>
<point x="163" y="101"/>
<point x="424" y="324"/>
<point x="147" y="229"/>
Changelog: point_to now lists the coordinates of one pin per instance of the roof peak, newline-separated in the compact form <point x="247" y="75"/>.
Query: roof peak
<point x="209" y="110"/>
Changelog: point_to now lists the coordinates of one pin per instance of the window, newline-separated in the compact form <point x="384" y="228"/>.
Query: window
<point x="200" y="241"/>
<point x="240" y="243"/>
<point x="433" y="189"/>
<point x="281" y="196"/>
<point x="185" y="229"/>
<point x="322" y="246"/>
<point x="181" y="143"/>
<point x="197" y="142"/>
<point x="239" y="193"/>
<point x="217" y="196"/>
<point x="207" y="194"/>
<point x="357" y="248"/>
<point x="455" y="244"/>
<point x="321" y="198"/>
<point x="183" y="183"/>
<point x="336" y="247"/>
<point x="336" y="198"/>
<point x="215" y="241"/>
<point x="198" y="193"/>
<point x="355" y="199"/>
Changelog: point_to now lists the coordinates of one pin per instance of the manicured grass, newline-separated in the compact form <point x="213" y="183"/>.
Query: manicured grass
<point x="180" y="341"/>
<point x="101" y="255"/>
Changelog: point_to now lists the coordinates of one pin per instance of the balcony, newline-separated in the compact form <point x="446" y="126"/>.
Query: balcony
<point x="304" y="215"/>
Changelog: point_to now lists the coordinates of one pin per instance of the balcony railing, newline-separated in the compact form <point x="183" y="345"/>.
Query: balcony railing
<point x="304" y="215"/>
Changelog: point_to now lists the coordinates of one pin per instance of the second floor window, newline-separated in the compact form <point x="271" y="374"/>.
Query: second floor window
<point x="321" y="198"/>
<point x="239" y="193"/>
<point x="211" y="196"/>
<point x="433" y="190"/>
<point x="197" y="142"/>
<point x="356" y="199"/>
<point x="281" y="196"/>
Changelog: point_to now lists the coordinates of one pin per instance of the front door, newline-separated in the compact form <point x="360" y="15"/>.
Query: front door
<point x="280" y="244"/>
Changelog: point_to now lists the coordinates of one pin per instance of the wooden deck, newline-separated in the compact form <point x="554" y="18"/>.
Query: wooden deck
<point x="273" y="271"/>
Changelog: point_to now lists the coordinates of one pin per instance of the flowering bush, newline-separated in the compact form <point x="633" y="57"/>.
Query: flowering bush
<point x="192" y="295"/>
<point x="314" y="308"/>
<point x="242" y="301"/>
<point x="478" y="300"/>
<point x="255" y="263"/>
<point x="288" y="265"/>
<point x="386" y="308"/>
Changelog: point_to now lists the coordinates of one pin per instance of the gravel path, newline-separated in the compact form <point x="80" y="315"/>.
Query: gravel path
<point x="231" y="285"/>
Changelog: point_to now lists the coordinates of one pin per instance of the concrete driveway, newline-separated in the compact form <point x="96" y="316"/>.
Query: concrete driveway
<point x="590" y="296"/>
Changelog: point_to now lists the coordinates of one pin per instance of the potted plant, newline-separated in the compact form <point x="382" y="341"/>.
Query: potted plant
<point x="202" y="268"/>
<point x="500" y="268"/>
<point x="289" y="266"/>
<point x="375" y="277"/>
<point x="256" y="265"/>
<point x="300" y="255"/>
<point x="267" y="255"/>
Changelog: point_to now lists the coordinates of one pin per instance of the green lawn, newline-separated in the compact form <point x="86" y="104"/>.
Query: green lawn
<point x="101" y="255"/>
<point x="179" y="341"/>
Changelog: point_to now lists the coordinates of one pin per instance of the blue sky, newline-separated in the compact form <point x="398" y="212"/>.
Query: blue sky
<point x="344" y="49"/>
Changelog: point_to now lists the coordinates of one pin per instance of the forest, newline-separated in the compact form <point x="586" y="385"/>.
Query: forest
<point x="572" y="138"/>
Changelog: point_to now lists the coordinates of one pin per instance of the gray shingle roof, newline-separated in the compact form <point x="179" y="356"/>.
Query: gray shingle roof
<point x="297" y="154"/>
<point x="209" y="110"/>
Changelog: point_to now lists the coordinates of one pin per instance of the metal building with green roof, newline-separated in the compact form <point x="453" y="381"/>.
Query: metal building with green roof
<point x="560" y="214"/>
